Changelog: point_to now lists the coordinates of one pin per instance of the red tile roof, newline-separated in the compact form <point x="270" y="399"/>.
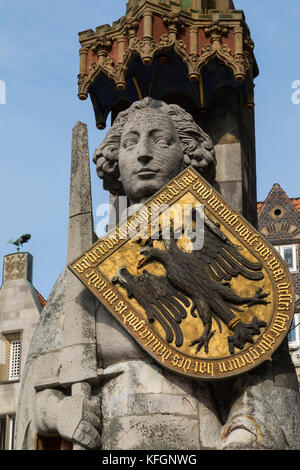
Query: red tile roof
<point x="41" y="299"/>
<point x="296" y="202"/>
<point x="259" y="206"/>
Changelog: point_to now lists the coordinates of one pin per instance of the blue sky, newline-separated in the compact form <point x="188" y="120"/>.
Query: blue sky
<point x="39" y="65"/>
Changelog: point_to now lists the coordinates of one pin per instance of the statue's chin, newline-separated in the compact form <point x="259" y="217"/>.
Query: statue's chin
<point x="144" y="191"/>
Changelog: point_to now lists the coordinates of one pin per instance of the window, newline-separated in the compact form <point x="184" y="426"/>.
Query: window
<point x="294" y="337"/>
<point x="2" y="350"/>
<point x="7" y="432"/>
<point x="12" y="426"/>
<point x="2" y="432"/>
<point x="10" y="355"/>
<point x="14" y="360"/>
<point x="288" y="253"/>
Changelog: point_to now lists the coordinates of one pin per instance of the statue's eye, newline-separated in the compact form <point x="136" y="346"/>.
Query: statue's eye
<point x="162" y="141"/>
<point x="130" y="142"/>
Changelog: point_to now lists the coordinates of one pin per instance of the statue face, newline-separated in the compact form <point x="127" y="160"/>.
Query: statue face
<point x="150" y="154"/>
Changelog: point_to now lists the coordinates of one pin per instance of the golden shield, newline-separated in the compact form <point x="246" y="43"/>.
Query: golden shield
<point x="209" y="313"/>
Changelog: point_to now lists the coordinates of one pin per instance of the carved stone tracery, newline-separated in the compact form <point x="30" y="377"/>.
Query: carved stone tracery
<point x="15" y="267"/>
<point x="240" y="59"/>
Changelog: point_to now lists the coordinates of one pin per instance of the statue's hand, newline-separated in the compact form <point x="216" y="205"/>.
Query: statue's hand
<point x="79" y="421"/>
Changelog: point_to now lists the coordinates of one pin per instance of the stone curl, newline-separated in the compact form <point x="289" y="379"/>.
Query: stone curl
<point x="197" y="146"/>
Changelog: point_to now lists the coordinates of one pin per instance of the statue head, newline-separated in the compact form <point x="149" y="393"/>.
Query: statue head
<point x="148" y="145"/>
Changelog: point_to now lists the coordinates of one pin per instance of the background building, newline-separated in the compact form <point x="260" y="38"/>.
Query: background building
<point x="20" y="309"/>
<point x="279" y="222"/>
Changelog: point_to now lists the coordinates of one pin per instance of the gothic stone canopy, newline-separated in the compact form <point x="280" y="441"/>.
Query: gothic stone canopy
<point x="176" y="50"/>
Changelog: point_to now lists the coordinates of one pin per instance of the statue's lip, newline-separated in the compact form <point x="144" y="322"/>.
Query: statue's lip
<point x="147" y="171"/>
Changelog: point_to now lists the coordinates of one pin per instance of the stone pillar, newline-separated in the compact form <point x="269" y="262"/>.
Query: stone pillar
<point x="121" y="49"/>
<point x="220" y="4"/>
<point x="197" y="4"/>
<point x="83" y="53"/>
<point x="79" y="343"/>
<point x="194" y="40"/>
<point x="147" y="24"/>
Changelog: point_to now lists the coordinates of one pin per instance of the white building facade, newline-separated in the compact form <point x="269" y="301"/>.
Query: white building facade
<point x="20" y="309"/>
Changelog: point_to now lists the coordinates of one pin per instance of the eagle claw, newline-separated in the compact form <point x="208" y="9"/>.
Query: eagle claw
<point x="259" y="298"/>
<point x="203" y="341"/>
<point x="243" y="333"/>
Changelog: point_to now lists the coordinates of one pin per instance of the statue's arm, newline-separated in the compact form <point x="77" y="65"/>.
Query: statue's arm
<point x="74" y="418"/>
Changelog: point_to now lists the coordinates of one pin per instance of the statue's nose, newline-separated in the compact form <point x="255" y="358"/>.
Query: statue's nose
<point x="144" y="151"/>
<point x="144" y="158"/>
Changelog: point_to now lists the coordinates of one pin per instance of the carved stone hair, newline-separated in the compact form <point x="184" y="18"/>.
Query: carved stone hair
<point x="197" y="146"/>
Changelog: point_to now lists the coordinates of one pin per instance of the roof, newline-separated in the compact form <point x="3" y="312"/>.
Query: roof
<point x="295" y="201"/>
<point x="41" y="298"/>
<point x="259" y="206"/>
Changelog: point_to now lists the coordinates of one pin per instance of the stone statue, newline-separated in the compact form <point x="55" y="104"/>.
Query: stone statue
<point x="166" y="139"/>
<point x="138" y="404"/>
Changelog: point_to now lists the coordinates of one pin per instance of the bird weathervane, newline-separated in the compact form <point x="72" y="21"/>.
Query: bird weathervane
<point x="208" y="313"/>
<point x="20" y="241"/>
